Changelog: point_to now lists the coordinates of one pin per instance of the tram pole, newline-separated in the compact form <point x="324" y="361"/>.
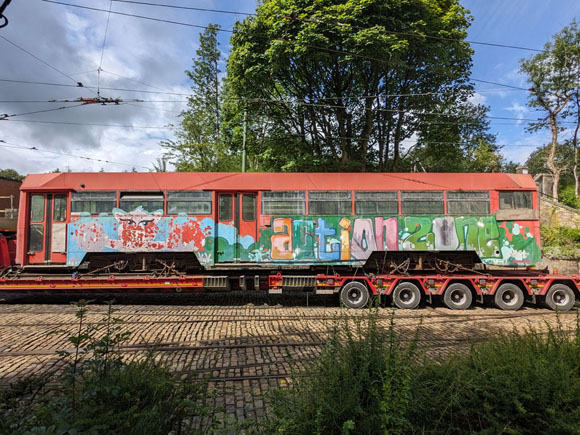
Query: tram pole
<point x="244" y="140"/>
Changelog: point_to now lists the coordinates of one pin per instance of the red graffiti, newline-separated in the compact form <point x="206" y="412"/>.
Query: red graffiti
<point x="137" y="231"/>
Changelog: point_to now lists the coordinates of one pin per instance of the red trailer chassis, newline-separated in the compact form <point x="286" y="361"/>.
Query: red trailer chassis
<point x="355" y="289"/>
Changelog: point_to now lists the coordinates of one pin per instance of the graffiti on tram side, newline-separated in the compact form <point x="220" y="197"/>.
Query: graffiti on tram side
<point x="348" y="239"/>
<point x="332" y="239"/>
<point x="139" y="231"/>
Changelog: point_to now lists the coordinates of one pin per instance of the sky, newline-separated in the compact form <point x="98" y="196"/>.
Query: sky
<point x="146" y="60"/>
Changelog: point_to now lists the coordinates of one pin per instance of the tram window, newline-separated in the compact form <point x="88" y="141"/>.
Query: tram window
<point x="226" y="208"/>
<point x="468" y="202"/>
<point x="248" y="207"/>
<point x="515" y="199"/>
<point x="37" y="208"/>
<point x="196" y="202"/>
<point x="59" y="208"/>
<point x="422" y="202"/>
<point x="36" y="238"/>
<point x="322" y="202"/>
<point x="376" y="203"/>
<point x="93" y="202"/>
<point x="148" y="201"/>
<point x="284" y="202"/>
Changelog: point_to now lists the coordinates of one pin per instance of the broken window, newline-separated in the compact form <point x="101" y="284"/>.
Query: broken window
<point x="515" y="199"/>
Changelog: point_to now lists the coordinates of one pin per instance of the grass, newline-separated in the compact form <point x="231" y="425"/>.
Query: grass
<point x="372" y="382"/>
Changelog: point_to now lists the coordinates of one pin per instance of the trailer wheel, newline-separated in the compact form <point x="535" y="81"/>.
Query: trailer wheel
<point x="407" y="295"/>
<point x="509" y="297"/>
<point x="458" y="297"/>
<point x="560" y="297"/>
<point x="354" y="295"/>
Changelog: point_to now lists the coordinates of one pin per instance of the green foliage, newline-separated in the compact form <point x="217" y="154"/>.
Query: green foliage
<point x="101" y="392"/>
<point x="359" y="384"/>
<point x="369" y="381"/>
<point x="515" y="383"/>
<point x="347" y="107"/>
<point x="560" y="242"/>
<point x="11" y="174"/>
<point x="553" y="76"/>
<point x="199" y="145"/>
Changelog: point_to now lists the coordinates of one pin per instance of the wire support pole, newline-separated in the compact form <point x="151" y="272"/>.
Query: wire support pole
<point x="244" y="139"/>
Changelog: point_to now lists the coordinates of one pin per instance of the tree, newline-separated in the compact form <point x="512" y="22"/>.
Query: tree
<point x="553" y="76"/>
<point x="460" y="143"/>
<point x="11" y="174"/>
<point x="342" y="84"/>
<point x="199" y="146"/>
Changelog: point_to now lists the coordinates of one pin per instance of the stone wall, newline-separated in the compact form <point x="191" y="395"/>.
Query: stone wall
<point x="555" y="214"/>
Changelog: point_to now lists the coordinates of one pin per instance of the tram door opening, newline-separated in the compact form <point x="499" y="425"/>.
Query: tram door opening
<point x="236" y="227"/>
<point x="47" y="228"/>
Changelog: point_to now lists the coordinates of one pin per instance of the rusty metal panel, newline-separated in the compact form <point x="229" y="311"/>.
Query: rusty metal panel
<point x="58" y="242"/>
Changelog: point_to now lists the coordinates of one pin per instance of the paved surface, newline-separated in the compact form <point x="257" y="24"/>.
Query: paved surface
<point x="245" y="342"/>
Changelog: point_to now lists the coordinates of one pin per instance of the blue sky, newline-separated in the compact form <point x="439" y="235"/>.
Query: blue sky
<point x="525" y="23"/>
<point x="146" y="55"/>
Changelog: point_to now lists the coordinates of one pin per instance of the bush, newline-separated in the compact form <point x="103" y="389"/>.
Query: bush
<point x="369" y="382"/>
<point x="360" y="383"/>
<point x="560" y="242"/>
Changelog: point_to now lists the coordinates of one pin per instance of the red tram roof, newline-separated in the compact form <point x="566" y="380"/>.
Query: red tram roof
<point x="237" y="181"/>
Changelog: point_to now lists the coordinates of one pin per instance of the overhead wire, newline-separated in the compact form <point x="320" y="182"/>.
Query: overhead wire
<point x="43" y="62"/>
<point x="391" y="32"/>
<point x="7" y="144"/>
<point x="6" y="116"/>
<point x="189" y="94"/>
<point x="345" y="52"/>
<point x="103" y="49"/>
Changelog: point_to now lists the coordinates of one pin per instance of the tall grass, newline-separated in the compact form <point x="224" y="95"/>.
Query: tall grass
<point x="371" y="382"/>
<point x="101" y="392"/>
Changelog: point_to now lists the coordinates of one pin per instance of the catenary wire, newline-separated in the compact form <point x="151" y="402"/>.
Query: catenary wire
<point x="7" y="144"/>
<point x="231" y="31"/>
<point x="103" y="49"/>
<point x="43" y="61"/>
<point x="221" y="11"/>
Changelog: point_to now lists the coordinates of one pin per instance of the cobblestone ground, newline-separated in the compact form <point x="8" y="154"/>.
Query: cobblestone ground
<point x="246" y="343"/>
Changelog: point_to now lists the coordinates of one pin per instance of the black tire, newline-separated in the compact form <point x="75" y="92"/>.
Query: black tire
<point x="458" y="297"/>
<point x="509" y="297"/>
<point x="354" y="295"/>
<point x="407" y="296"/>
<point x="560" y="297"/>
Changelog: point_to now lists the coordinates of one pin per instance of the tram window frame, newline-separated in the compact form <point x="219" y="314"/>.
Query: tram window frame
<point x="319" y="199"/>
<point x="37" y="208"/>
<point x="143" y="199"/>
<point x="96" y="200"/>
<point x="525" y="195"/>
<point x="249" y="212"/>
<point x="377" y="198"/>
<point x="462" y="202"/>
<point x="418" y="202"/>
<point x="186" y="201"/>
<point x="59" y="208"/>
<point x="283" y="202"/>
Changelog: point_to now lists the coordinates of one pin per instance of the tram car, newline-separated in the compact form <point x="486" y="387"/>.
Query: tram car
<point x="314" y="231"/>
